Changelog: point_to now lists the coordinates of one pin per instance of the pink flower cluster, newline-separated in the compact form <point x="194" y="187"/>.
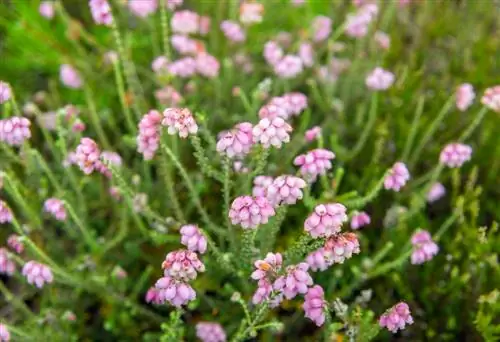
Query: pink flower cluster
<point x="148" y="139"/>
<point x="168" y="96"/>
<point x="424" y="249"/>
<point x="185" y="22"/>
<point x="436" y="191"/>
<point x="288" y="67"/>
<point x="182" y="265"/>
<point x="313" y="134"/>
<point x="176" y="292"/>
<point x="357" y="24"/>
<point x="142" y="8"/>
<point x="37" y="273"/>
<point x="5" y="213"/>
<point x="7" y="266"/>
<point x="295" y="281"/>
<point x="315" y="305"/>
<point x="322" y="27"/>
<point x="306" y="54"/>
<point x="340" y="247"/>
<point x="285" y="189"/>
<point x="179" y="121"/>
<point x="70" y="77"/>
<point x="236" y="142"/>
<point x="379" y="79"/>
<point x="5" y="92"/>
<point x="88" y="156"/>
<point x="273" y="132"/>
<point x="46" y="9"/>
<point x="491" y="98"/>
<point x="185" y="45"/>
<point x="101" y="12"/>
<point x="265" y="273"/>
<point x="15" y="130"/>
<point x="15" y="243"/>
<point x="382" y="39"/>
<point x="464" y="96"/>
<point x="318" y="260"/>
<point x="153" y="296"/>
<point x="250" y="212"/>
<point x="193" y="238"/>
<point x="314" y="163"/>
<point x="55" y="207"/>
<point x="286" y="106"/>
<point x="455" y="154"/>
<point x="260" y="185"/>
<point x="396" y="318"/>
<point x="4" y="333"/>
<point x="233" y="31"/>
<point x="210" y="332"/>
<point x="359" y="220"/>
<point x="397" y="177"/>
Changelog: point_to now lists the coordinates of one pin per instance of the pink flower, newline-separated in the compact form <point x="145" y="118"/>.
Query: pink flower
<point x="314" y="163"/>
<point x="207" y="65"/>
<point x="273" y="53"/>
<point x="340" y="247"/>
<point x="15" y="130"/>
<point x="318" y="260"/>
<point x="148" y="139"/>
<point x="204" y="25"/>
<point x="182" y="265"/>
<point x="210" y="332"/>
<point x="115" y="193"/>
<point x="152" y="296"/>
<point x="285" y="189"/>
<point x="277" y="107"/>
<point x="315" y="305"/>
<point x="233" y="31"/>
<point x="464" y="96"/>
<point x="46" y="9"/>
<point x="455" y="154"/>
<point x="424" y="249"/>
<point x="383" y="40"/>
<point x="78" y="126"/>
<point x="143" y="8"/>
<point x="193" y="238"/>
<point x="288" y="67"/>
<point x="70" y="160"/>
<point x="5" y="213"/>
<point x="236" y="142"/>
<point x="306" y="54"/>
<point x="322" y="27"/>
<point x="172" y="4"/>
<point x="70" y="77"/>
<point x="168" y="96"/>
<point x="270" y="266"/>
<point x="185" y="45"/>
<point x="436" y="191"/>
<point x="15" y="243"/>
<point x="313" y="133"/>
<point x="359" y="220"/>
<point x="5" y="92"/>
<point x="185" y="22"/>
<point x="397" y="177"/>
<point x="296" y="101"/>
<point x="244" y="61"/>
<point x="250" y="212"/>
<point x="160" y="65"/>
<point x="326" y="220"/>
<point x="101" y="12"/>
<point x="491" y="98"/>
<point x="357" y="25"/>
<point x="263" y="291"/>
<point x="179" y="121"/>
<point x="112" y="158"/>
<point x="239" y="167"/>
<point x="55" y="207"/>
<point x="184" y="67"/>
<point x="379" y="79"/>
<point x="7" y="266"/>
<point x="396" y="318"/>
<point x="295" y="281"/>
<point x="251" y="12"/>
<point x="88" y="156"/>
<point x="273" y="132"/>
<point x="37" y="273"/>
<point x="174" y="291"/>
<point x="260" y="185"/>
<point x="4" y="333"/>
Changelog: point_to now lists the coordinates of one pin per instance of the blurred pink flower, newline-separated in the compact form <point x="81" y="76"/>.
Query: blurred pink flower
<point x="455" y="154"/>
<point x="15" y="130"/>
<point x="56" y="208"/>
<point x="318" y="260"/>
<point x="204" y="25"/>
<point x="263" y="291"/>
<point x="306" y="54"/>
<point x="326" y="220"/>
<point x="210" y="332"/>
<point x="101" y="12"/>
<point x="193" y="238"/>
<point x="276" y="107"/>
<point x="152" y="296"/>
<point x="285" y="189"/>
<point x="160" y="65"/>
<point x="397" y="177"/>
<point x="464" y="96"/>
<point x="7" y="266"/>
<point x="88" y="156"/>
<point x="70" y="77"/>
<point x="273" y="132"/>
<point x="172" y="4"/>
<point x="424" y="249"/>
<point x="436" y="191"/>
<point x="491" y="98"/>
<point x="359" y="220"/>
<point x="37" y="273"/>
<point x="288" y="67"/>
<point x="233" y="31"/>
<point x="250" y="212"/>
<point x="185" y="45"/>
<point x="313" y="134"/>
<point x="184" y="67"/>
<point x="251" y="12"/>
<point x="148" y="139"/>
<point x="396" y="318"/>
<point x="260" y="185"/>
<point x="315" y="305"/>
<point x="179" y="120"/>
<point x="380" y="79"/>
<point x="5" y="213"/>
<point x="321" y="27"/>
<point x="4" y="333"/>
<point x="185" y="22"/>
<point x="273" y="53"/>
<point x="112" y="158"/>
<point x="383" y="40"/>
<point x="207" y="65"/>
<point x="314" y="163"/>
<point x="46" y="9"/>
<point x="168" y="96"/>
<point x="14" y="242"/>
<point x="142" y="8"/>
<point x="5" y="92"/>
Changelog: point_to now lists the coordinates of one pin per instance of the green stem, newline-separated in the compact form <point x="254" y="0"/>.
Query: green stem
<point x="273" y="231"/>
<point x="15" y="301"/>
<point x="87" y="236"/>
<point x="358" y="203"/>
<point x="413" y="129"/>
<point x="94" y="118"/>
<point x="12" y="188"/>
<point x="473" y="125"/>
<point x="165" y="29"/>
<point x="372" y="116"/>
<point x="48" y="172"/>
<point x="226" y="188"/>
<point x="121" y="92"/>
<point x="169" y="184"/>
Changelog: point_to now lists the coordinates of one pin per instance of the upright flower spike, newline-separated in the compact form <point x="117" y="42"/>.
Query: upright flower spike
<point x="185" y="22"/>
<point x="179" y="121"/>
<point x="56" y="208"/>
<point x="15" y="130"/>
<point x="340" y="247"/>
<point x="233" y="31"/>
<point x="5" y="92"/>
<point x="491" y="98"/>
<point x="295" y="281"/>
<point x="193" y="238"/>
<point x="397" y="177"/>
<point x="148" y="139"/>
<point x="15" y="243"/>
<point x="207" y="65"/>
<point x="288" y="67"/>
<point x="250" y="212"/>
<point x="380" y="79"/>
<point x="315" y="305"/>
<point x="46" y="9"/>
<point x="37" y="274"/>
<point x="70" y="77"/>
<point x="143" y="8"/>
<point x="285" y="189"/>
<point x="464" y="96"/>
<point x="396" y="318"/>
<point x="436" y="191"/>
<point x="314" y="163"/>
<point x="424" y="249"/>
<point x="182" y="265"/>
<point x="318" y="260"/>
<point x="237" y="142"/>
<point x="322" y="27"/>
<point x="455" y="155"/>
<point x="101" y="12"/>
<point x="272" y="132"/>
<point x="4" y="333"/>
<point x="260" y="185"/>
<point x="359" y="220"/>
<point x="210" y="332"/>
<point x="5" y="213"/>
<point x="176" y="292"/>
<point x="7" y="266"/>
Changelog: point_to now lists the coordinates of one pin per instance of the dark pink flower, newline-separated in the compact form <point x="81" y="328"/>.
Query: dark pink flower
<point x="250" y="212"/>
<point x="314" y="163"/>
<point x="7" y="266"/>
<point x="148" y="139"/>
<point x="193" y="238"/>
<point x="315" y="305"/>
<point x="176" y="292"/>
<point x="210" y="332"/>
<point x="15" y="243"/>
<point x="56" y="208"/>
<point x="37" y="273"/>
<point x="101" y="12"/>
<point x="359" y="220"/>
<point x="236" y="142"/>
<point x="285" y="189"/>
<point x="313" y="133"/>
<point x="396" y="318"/>
<point x="424" y="249"/>
<point x="273" y="132"/>
<point x="295" y="281"/>
<point x="326" y="220"/>
<point x="455" y="154"/>
<point x="397" y="177"/>
<point x="182" y="265"/>
<point x="15" y="130"/>
<point x="179" y="120"/>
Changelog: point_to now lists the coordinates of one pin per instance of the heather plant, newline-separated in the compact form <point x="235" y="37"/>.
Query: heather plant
<point x="239" y="170"/>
